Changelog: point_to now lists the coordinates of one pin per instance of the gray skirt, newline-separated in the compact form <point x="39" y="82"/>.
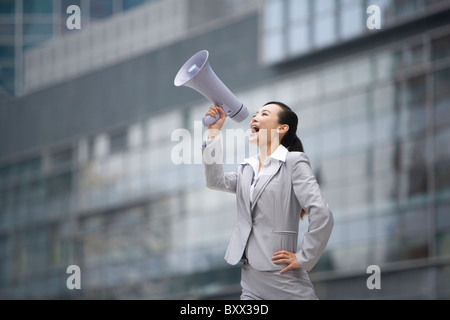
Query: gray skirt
<point x="273" y="285"/>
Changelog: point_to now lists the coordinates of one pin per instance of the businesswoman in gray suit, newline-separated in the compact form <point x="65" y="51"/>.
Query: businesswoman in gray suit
<point x="273" y="190"/>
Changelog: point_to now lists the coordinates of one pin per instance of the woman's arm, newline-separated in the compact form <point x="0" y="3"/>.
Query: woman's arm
<point x="216" y="178"/>
<point x="320" y="218"/>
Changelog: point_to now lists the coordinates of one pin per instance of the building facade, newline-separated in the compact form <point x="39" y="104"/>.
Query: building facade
<point x="27" y="24"/>
<point x="87" y="170"/>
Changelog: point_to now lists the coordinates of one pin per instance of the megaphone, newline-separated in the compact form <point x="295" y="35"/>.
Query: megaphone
<point x="197" y="74"/>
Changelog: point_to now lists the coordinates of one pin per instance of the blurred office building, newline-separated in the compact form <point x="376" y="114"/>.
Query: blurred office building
<point x="88" y="118"/>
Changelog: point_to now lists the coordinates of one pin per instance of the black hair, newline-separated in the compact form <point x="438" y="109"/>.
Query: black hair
<point x="286" y="116"/>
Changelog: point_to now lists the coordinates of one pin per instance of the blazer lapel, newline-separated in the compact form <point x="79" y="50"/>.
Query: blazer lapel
<point x="247" y="176"/>
<point x="262" y="183"/>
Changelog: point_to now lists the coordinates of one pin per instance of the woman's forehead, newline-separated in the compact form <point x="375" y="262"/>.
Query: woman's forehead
<point x="272" y="108"/>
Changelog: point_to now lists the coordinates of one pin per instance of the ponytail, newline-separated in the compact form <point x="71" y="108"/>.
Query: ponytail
<point x="295" y="145"/>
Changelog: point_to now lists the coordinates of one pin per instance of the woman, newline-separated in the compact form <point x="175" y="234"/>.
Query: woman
<point x="273" y="190"/>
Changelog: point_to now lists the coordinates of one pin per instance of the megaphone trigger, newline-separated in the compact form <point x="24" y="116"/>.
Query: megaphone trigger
<point x="197" y="74"/>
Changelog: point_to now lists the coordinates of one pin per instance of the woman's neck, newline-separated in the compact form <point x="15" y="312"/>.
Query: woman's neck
<point x="265" y="152"/>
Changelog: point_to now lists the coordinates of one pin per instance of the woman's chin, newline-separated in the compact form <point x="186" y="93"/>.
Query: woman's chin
<point x="253" y="138"/>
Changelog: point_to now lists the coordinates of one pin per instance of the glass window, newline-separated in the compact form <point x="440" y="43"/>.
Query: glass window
<point x="309" y="87"/>
<point x="414" y="246"/>
<point x="387" y="249"/>
<point x="135" y="136"/>
<point x="416" y="92"/>
<point x="115" y="172"/>
<point x="442" y="216"/>
<point x="359" y="229"/>
<point x="413" y="153"/>
<point x="333" y="111"/>
<point x="62" y="157"/>
<point x="4" y="173"/>
<point x="356" y="196"/>
<point x="118" y="141"/>
<point x="309" y="118"/>
<point x="441" y="48"/>
<point x="383" y="99"/>
<point x="383" y="160"/>
<point x="299" y="38"/>
<point x="28" y="168"/>
<point x="273" y="46"/>
<point x="405" y="7"/>
<point x="357" y="134"/>
<point x="443" y="276"/>
<point x="360" y="71"/>
<point x="443" y="243"/>
<point x="158" y="157"/>
<point x="332" y="169"/>
<point x="351" y="19"/>
<point x="95" y="248"/>
<point x="8" y="6"/>
<point x="332" y="140"/>
<point x="41" y="6"/>
<point x="442" y="156"/>
<point x="356" y="167"/>
<point x="7" y="51"/>
<point x="415" y="219"/>
<point x="161" y="126"/>
<point x="412" y="99"/>
<point x="398" y="61"/>
<point x="298" y="10"/>
<point x="101" y="8"/>
<point x="273" y="14"/>
<point x="35" y="29"/>
<point x="60" y="185"/>
<point x="37" y="192"/>
<point x="7" y="76"/>
<point x="274" y="38"/>
<point x="417" y="181"/>
<point x="442" y="144"/>
<point x="383" y="65"/>
<point x="385" y="127"/>
<point x="198" y="202"/>
<point x="415" y="54"/>
<point x="442" y="97"/>
<point x="386" y="225"/>
<point x="334" y="79"/>
<point x="128" y="4"/>
<point x="324" y="29"/>
<point x="323" y="5"/>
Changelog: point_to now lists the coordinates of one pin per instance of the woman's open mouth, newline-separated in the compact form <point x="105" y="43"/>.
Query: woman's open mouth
<point x="255" y="128"/>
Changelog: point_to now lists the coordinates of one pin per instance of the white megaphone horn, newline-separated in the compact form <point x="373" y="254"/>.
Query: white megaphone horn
<point x="197" y="74"/>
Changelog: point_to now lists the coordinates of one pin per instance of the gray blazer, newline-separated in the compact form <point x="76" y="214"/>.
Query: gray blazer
<point x="271" y="222"/>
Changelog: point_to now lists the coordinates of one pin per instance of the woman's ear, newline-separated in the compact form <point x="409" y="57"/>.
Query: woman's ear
<point x="282" y="129"/>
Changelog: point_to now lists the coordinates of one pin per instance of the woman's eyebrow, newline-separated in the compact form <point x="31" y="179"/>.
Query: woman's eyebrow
<point x="265" y="110"/>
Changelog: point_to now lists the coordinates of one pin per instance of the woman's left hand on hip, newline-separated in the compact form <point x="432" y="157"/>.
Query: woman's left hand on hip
<point x="286" y="257"/>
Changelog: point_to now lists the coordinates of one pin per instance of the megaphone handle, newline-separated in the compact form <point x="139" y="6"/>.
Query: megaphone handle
<point x="208" y="120"/>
